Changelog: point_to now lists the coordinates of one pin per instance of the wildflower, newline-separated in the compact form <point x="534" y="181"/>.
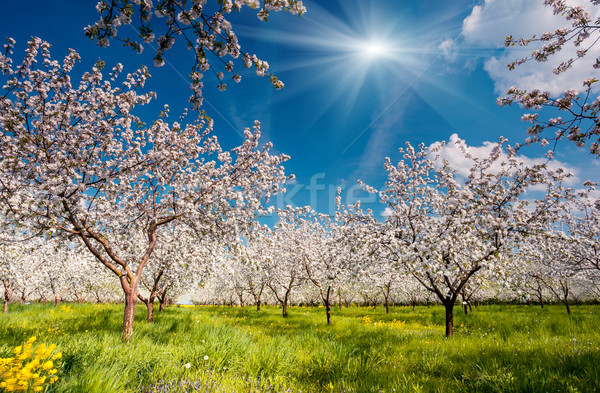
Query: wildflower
<point x="205" y="357"/>
<point x="29" y="368"/>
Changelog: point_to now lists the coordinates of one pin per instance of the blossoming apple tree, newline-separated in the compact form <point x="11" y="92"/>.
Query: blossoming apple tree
<point x="551" y="265"/>
<point x="314" y="239"/>
<point x="284" y="267"/>
<point x="448" y="228"/>
<point x="77" y="159"/>
<point x="177" y="263"/>
<point x="19" y="270"/>
<point x="252" y="261"/>
<point x="331" y="248"/>
<point x="584" y="227"/>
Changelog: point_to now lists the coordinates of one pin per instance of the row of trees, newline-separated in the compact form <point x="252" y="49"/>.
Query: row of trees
<point x="55" y="269"/>
<point x="446" y="237"/>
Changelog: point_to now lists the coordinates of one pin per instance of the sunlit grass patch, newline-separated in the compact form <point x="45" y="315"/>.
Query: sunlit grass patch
<point x="225" y="349"/>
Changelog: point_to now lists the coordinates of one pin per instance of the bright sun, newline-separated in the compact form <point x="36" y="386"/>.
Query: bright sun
<point x="373" y="49"/>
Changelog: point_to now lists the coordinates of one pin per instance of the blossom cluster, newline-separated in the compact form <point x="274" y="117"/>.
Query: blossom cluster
<point x="211" y="31"/>
<point x="582" y="123"/>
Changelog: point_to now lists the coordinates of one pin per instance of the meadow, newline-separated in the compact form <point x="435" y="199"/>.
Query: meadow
<point x="497" y="348"/>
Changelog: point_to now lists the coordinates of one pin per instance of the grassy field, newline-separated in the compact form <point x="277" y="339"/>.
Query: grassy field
<point x="223" y="349"/>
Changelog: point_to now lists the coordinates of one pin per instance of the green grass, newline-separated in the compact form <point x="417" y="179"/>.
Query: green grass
<point x="495" y="349"/>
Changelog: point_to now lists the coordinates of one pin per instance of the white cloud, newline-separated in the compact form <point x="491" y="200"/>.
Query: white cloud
<point x="449" y="49"/>
<point x="452" y="153"/>
<point x="387" y="212"/>
<point x="489" y="24"/>
<point x="535" y="75"/>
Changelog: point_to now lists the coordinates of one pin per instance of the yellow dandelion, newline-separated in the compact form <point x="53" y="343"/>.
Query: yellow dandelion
<point x="40" y="350"/>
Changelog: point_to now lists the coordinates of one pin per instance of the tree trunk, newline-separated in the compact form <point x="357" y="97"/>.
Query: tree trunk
<point x="129" y="315"/>
<point x="285" y="302"/>
<point x="8" y="292"/>
<point x="449" y="305"/>
<point x="150" y="310"/>
<point x="327" y="302"/>
<point x="258" y="305"/>
<point x="387" y="305"/>
<point x="163" y="301"/>
<point x="565" y="288"/>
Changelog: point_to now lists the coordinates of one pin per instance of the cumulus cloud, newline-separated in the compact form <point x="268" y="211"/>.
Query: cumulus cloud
<point x="489" y="24"/>
<point x="535" y="75"/>
<point x="387" y="212"/>
<point x="449" y="49"/>
<point x="453" y="154"/>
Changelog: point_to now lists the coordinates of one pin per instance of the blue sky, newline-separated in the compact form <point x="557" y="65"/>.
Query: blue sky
<point x="361" y="78"/>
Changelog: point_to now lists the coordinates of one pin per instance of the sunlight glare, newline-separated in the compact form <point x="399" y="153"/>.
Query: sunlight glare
<point x="373" y="49"/>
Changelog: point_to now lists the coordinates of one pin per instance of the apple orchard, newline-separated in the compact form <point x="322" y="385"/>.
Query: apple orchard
<point x="102" y="204"/>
